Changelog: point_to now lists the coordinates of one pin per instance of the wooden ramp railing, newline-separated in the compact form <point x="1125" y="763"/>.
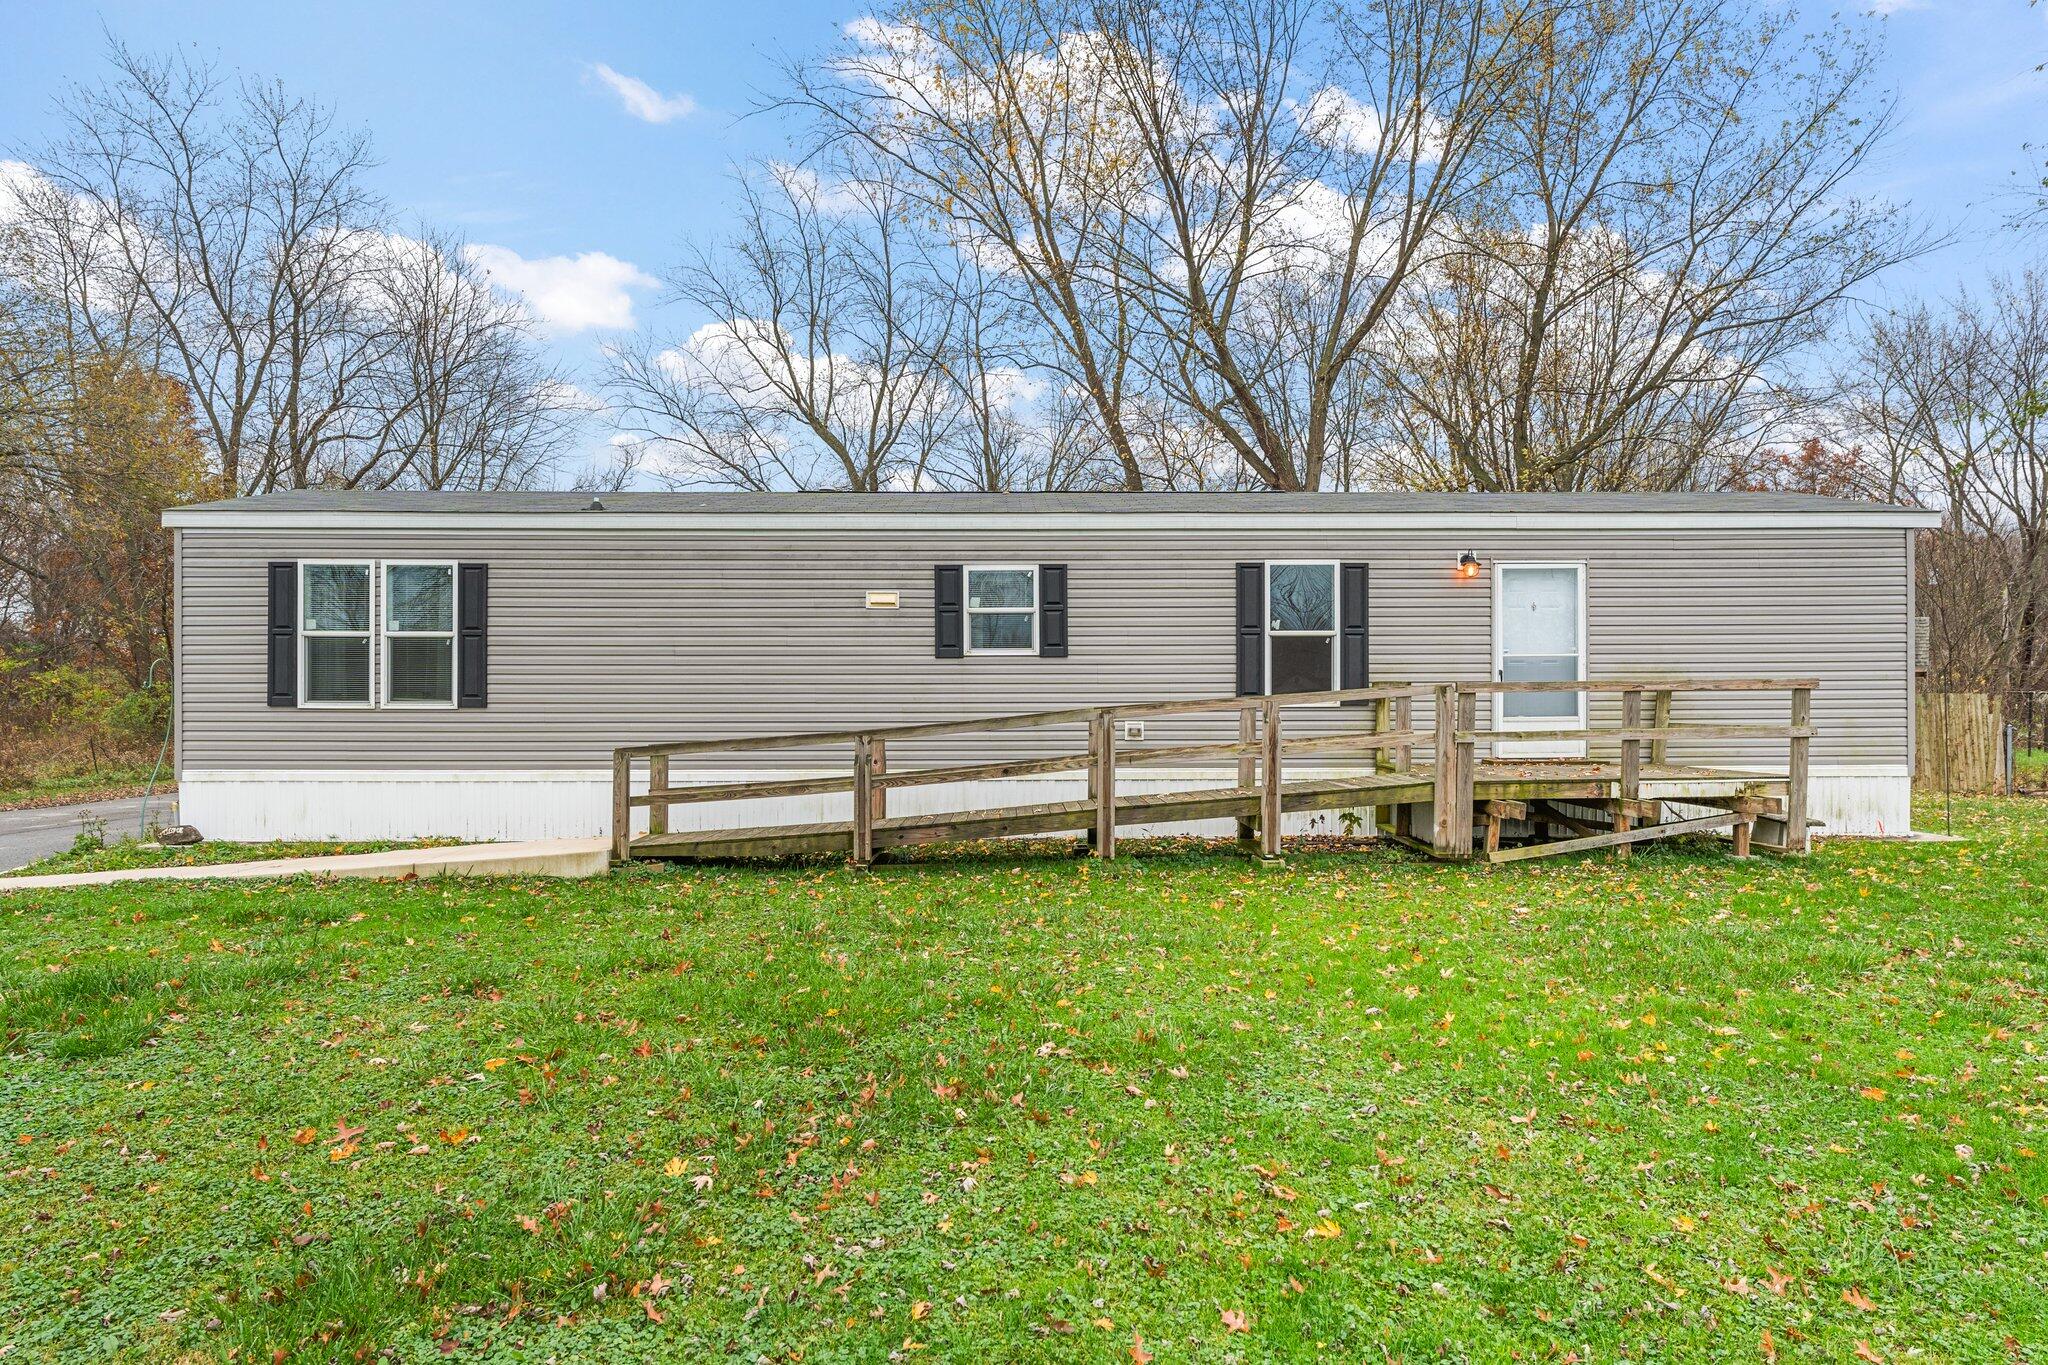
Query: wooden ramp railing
<point x="1454" y="787"/>
<point x="1749" y="802"/>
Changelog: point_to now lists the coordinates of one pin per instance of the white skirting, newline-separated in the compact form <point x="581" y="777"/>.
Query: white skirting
<point x="339" y="803"/>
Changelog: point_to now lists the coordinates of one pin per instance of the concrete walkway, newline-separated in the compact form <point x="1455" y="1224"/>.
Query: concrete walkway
<point x="540" y="858"/>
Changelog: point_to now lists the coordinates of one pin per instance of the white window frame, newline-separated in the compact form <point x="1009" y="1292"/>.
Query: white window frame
<point x="1538" y="748"/>
<point x="368" y="634"/>
<point x="967" y="573"/>
<point x="1336" y="620"/>
<point x="385" y="634"/>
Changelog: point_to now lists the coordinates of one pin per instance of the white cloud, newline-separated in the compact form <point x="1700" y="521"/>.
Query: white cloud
<point x="1894" y="6"/>
<point x="17" y="178"/>
<point x="826" y="196"/>
<point x="1338" y="119"/>
<point x="642" y="100"/>
<point x="565" y="293"/>
<point x="563" y="394"/>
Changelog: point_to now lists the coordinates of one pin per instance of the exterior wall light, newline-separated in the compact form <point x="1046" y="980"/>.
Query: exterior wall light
<point x="1468" y="565"/>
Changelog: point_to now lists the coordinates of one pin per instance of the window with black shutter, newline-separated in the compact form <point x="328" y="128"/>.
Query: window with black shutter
<point x="1251" y="630"/>
<point x="473" y="606"/>
<point x="1052" y="611"/>
<point x="1302" y="626"/>
<point x="283" y="633"/>
<point x="949" y="631"/>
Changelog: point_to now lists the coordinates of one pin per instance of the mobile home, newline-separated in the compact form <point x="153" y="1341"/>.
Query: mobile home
<point x="356" y="665"/>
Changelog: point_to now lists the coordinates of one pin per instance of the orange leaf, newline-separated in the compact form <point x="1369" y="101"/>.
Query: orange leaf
<point x="920" y="1310"/>
<point x="1139" y="1355"/>
<point x="1856" y="1298"/>
<point x="1234" y="1321"/>
<point x="1768" y="1345"/>
<point x="1863" y="1352"/>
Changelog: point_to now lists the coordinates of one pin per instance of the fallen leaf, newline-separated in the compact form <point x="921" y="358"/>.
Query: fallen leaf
<point x="920" y="1310"/>
<point x="1139" y="1355"/>
<point x="1234" y="1321"/>
<point x="1856" y="1298"/>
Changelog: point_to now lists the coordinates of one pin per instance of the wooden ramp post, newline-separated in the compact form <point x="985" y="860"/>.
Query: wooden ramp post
<point x="1103" y="748"/>
<point x="1404" y="762"/>
<point x="1382" y="759"/>
<point x="1795" y="771"/>
<point x="622" y="807"/>
<point x="1451" y="794"/>
<point x="1247" y="766"/>
<point x="863" y="801"/>
<point x="1269" y="792"/>
<point x="657" y="781"/>
<point x="1631" y="768"/>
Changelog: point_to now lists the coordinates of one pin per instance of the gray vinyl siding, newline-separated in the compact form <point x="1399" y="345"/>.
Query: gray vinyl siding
<point x="606" y="638"/>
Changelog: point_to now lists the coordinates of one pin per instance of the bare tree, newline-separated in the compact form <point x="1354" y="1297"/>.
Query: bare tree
<point x="462" y="398"/>
<point x="1205" y="207"/>
<point x="1670" y="222"/>
<point x="1955" y="406"/>
<point x="825" y="362"/>
<point x="221" y="231"/>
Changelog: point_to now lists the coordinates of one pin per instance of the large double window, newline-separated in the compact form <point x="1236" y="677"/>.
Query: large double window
<point x="340" y="620"/>
<point x="1301" y="627"/>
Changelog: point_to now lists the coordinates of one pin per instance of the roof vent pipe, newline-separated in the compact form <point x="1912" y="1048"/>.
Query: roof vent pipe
<point x="596" y="505"/>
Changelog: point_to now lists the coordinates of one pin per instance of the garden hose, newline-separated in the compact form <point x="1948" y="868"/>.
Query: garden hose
<point x="142" y="820"/>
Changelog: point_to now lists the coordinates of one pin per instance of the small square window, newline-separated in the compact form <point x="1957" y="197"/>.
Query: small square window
<point x="1002" y="609"/>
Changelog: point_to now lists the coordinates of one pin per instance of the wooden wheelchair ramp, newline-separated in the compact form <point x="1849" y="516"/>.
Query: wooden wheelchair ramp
<point x="1425" y="786"/>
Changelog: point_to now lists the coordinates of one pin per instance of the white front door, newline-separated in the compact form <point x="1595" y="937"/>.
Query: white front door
<point x="1539" y="635"/>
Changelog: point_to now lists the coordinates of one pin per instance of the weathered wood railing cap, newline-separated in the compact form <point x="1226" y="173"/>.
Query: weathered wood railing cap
<point x="1650" y="685"/>
<point x="1021" y="721"/>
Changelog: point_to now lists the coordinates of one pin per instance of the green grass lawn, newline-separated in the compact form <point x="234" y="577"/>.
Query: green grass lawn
<point x="1030" y="1107"/>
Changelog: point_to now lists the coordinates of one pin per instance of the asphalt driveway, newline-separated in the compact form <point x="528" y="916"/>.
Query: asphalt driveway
<point x="26" y="835"/>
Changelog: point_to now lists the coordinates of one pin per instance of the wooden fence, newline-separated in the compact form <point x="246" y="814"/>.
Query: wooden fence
<point x="1959" y="742"/>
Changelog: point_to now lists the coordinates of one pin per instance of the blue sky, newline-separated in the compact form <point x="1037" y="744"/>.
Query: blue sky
<point x="495" y="120"/>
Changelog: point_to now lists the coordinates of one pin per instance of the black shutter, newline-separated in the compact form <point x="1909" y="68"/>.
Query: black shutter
<point x="948" y="616"/>
<point x="1251" y="630"/>
<point x="283" y="633"/>
<point x="472" y="635"/>
<point x="1052" y="611"/>
<point x="1353" y="614"/>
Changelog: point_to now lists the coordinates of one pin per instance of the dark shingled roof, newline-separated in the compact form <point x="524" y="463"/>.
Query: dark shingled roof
<point x="314" y="500"/>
